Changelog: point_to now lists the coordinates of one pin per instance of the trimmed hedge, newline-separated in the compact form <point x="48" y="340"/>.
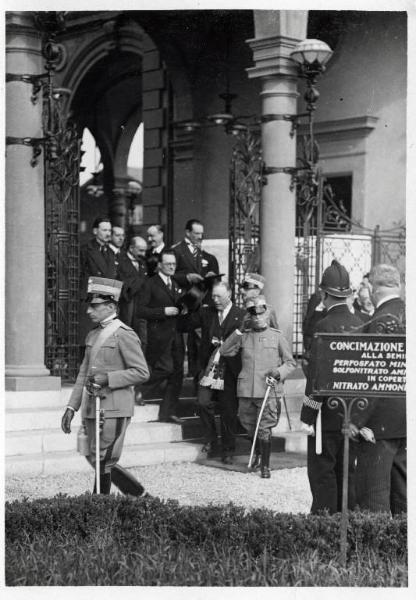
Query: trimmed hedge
<point x="131" y="522"/>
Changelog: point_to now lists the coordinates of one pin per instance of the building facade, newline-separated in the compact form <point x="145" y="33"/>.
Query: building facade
<point x="111" y="71"/>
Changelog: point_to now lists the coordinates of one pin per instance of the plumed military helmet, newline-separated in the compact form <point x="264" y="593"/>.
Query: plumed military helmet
<point x="336" y="281"/>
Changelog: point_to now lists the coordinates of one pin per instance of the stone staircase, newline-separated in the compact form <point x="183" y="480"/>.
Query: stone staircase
<point x="35" y="444"/>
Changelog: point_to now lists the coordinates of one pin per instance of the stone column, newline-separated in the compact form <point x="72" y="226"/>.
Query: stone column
<point x="25" y="219"/>
<point x="277" y="33"/>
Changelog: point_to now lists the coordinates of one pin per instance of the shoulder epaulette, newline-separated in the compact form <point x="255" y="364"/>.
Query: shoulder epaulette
<point x="276" y="330"/>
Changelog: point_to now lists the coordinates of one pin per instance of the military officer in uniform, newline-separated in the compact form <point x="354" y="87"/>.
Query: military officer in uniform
<point x="266" y="359"/>
<point x="325" y="469"/>
<point x="114" y="361"/>
<point x="251" y="287"/>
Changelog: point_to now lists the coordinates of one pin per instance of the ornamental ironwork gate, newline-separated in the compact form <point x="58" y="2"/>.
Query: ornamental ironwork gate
<point x="62" y="164"/>
<point x="245" y="195"/>
<point x="324" y="230"/>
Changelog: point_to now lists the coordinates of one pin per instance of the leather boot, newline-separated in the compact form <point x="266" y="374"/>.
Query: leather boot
<point x="126" y="482"/>
<point x="105" y="484"/>
<point x="265" y="446"/>
<point x="256" y="461"/>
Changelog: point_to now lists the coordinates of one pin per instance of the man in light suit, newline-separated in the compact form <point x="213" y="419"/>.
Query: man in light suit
<point x="114" y="361"/>
<point x="165" y="349"/>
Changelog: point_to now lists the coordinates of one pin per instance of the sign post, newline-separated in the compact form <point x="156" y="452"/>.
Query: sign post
<point x="351" y="371"/>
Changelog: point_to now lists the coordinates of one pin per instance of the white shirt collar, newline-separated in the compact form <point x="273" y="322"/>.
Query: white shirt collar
<point x="226" y="310"/>
<point x="114" y="248"/>
<point x="165" y="278"/>
<point x="158" y="249"/>
<point x="386" y="298"/>
<point x="190" y="244"/>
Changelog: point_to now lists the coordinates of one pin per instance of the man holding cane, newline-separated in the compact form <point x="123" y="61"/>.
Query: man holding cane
<point x="266" y="362"/>
<point x="113" y="364"/>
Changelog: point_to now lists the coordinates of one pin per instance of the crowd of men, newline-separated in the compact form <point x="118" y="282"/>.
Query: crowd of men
<point x="146" y="299"/>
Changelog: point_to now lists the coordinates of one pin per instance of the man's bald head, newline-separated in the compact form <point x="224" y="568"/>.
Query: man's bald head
<point x="138" y="246"/>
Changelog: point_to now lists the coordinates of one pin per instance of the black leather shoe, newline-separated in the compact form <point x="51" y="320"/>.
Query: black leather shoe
<point x="210" y="449"/>
<point x="256" y="463"/>
<point x="227" y="459"/>
<point x="175" y="419"/>
<point x="265" y="473"/>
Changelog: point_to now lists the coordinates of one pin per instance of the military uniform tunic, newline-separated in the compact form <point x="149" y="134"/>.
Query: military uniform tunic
<point x="263" y="353"/>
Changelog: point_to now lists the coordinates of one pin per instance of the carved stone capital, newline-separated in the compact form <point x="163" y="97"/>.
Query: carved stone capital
<point x="272" y="57"/>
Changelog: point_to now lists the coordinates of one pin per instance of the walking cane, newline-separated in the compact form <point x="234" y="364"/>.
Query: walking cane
<point x="318" y="433"/>
<point x="266" y="395"/>
<point x="96" y="389"/>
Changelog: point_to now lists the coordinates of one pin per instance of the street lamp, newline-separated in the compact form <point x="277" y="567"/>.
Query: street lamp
<point x="311" y="57"/>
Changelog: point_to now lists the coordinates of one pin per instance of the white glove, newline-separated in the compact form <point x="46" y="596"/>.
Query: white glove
<point x="368" y="435"/>
<point x="308" y="429"/>
<point x="271" y="380"/>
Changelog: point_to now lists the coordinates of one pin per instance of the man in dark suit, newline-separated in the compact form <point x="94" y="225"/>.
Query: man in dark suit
<point x="96" y="260"/>
<point x="192" y="265"/>
<point x="217" y="322"/>
<point x="136" y="255"/>
<point x="155" y="238"/>
<point x="325" y="469"/>
<point x="165" y="350"/>
<point x="132" y="272"/>
<point x="382" y="463"/>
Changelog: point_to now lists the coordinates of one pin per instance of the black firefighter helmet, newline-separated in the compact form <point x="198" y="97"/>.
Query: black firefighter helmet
<point x="336" y="281"/>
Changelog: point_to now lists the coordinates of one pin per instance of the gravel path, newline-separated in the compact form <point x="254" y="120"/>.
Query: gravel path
<point x="188" y="483"/>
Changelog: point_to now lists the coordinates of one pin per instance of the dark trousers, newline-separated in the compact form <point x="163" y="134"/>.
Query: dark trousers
<point x="166" y="374"/>
<point x="226" y="403"/>
<point x="381" y="476"/>
<point x="325" y="472"/>
<point x="112" y="436"/>
<point x="193" y="344"/>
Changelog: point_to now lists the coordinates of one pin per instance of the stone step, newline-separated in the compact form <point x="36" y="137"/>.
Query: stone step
<point x="21" y="419"/>
<point x="54" y="440"/>
<point x="70" y="461"/>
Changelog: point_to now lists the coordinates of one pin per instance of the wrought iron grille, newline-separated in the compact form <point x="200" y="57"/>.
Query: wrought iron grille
<point x="62" y="162"/>
<point x="324" y="231"/>
<point x="245" y="194"/>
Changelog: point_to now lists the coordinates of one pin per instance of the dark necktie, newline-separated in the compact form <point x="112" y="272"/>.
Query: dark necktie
<point x="220" y="316"/>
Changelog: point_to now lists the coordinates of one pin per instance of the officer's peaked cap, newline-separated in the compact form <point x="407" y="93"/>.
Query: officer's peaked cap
<point x="254" y="279"/>
<point x="336" y="281"/>
<point x="101" y="289"/>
